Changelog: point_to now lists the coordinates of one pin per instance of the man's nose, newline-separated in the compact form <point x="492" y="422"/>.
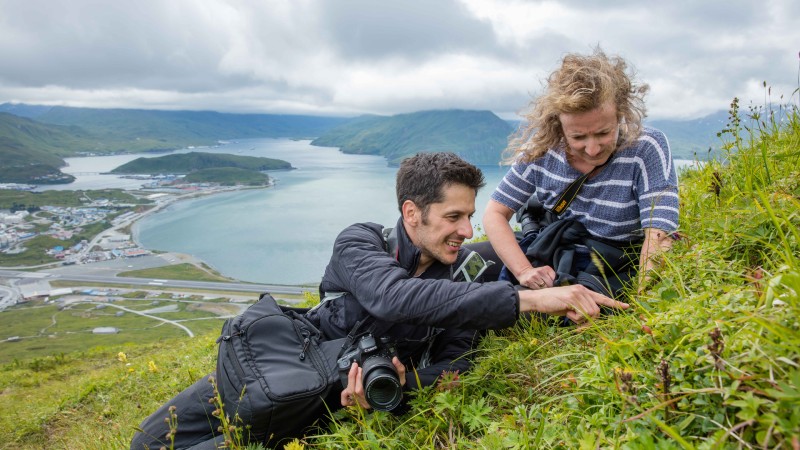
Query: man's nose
<point x="465" y="228"/>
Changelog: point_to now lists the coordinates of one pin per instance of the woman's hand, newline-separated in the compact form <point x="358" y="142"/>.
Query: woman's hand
<point x="537" y="277"/>
<point x="655" y="243"/>
<point x="354" y="394"/>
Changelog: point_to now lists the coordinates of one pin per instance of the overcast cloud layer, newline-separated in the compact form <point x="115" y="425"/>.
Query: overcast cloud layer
<point x="349" y="57"/>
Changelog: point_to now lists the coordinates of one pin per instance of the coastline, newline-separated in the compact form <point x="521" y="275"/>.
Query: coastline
<point x="171" y="201"/>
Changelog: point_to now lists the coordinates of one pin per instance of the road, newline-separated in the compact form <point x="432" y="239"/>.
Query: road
<point x="143" y="314"/>
<point x="159" y="283"/>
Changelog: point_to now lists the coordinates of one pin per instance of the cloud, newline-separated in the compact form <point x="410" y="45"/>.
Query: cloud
<point x="350" y="57"/>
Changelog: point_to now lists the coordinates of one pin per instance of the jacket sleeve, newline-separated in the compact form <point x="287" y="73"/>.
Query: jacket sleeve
<point x="387" y="291"/>
<point x="451" y="352"/>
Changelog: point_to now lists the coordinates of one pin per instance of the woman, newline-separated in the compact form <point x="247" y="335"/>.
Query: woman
<point x="587" y="122"/>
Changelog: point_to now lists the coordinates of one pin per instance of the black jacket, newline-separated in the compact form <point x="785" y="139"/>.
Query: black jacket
<point x="406" y="308"/>
<point x="608" y="273"/>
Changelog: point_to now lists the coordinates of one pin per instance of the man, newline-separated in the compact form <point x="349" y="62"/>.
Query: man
<point x="409" y="286"/>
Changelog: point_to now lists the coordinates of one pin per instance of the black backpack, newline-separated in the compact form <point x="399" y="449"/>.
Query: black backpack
<point x="275" y="372"/>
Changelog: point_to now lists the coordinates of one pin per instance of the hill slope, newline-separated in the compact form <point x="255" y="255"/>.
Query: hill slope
<point x="31" y="151"/>
<point x="477" y="136"/>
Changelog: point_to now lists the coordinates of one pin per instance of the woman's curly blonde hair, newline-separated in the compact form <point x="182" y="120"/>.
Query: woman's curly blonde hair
<point x="581" y="84"/>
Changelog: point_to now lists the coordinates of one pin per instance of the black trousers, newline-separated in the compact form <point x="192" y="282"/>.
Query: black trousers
<point x="197" y="427"/>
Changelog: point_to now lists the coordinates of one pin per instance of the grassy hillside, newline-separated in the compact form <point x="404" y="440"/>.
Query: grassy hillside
<point x="32" y="151"/>
<point x="189" y="162"/>
<point x="708" y="357"/>
<point x="477" y="136"/>
<point x="10" y="199"/>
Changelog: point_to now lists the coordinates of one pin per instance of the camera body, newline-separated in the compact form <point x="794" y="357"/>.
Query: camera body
<point x="380" y="378"/>
<point x="530" y="216"/>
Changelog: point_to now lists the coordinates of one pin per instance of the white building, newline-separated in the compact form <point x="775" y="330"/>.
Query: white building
<point x="105" y="330"/>
<point x="15" y="218"/>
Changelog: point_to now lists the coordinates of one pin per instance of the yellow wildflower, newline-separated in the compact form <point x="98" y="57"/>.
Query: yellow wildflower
<point x="294" y="445"/>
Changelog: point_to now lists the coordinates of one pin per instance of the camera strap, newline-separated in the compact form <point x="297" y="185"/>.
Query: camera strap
<point x="571" y="191"/>
<point x="425" y="360"/>
<point x="357" y="331"/>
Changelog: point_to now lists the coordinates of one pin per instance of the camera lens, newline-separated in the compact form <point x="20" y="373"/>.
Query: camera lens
<point x="381" y="384"/>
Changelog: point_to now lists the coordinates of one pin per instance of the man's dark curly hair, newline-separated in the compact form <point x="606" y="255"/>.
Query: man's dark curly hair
<point x="422" y="178"/>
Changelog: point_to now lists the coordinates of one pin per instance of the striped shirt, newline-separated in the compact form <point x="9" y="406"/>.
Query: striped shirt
<point x="637" y="189"/>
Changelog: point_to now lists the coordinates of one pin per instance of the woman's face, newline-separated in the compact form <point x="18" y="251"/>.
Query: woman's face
<point x="591" y="136"/>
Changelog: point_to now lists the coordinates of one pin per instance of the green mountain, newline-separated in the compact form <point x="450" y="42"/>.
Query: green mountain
<point x="477" y="136"/>
<point x="162" y="128"/>
<point x="693" y="139"/>
<point x="189" y="162"/>
<point x="34" y="138"/>
<point x="31" y="152"/>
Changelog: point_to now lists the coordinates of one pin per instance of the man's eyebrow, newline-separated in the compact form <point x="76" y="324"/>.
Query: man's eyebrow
<point x="459" y="211"/>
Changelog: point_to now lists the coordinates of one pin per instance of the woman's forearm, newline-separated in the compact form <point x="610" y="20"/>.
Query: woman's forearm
<point x="496" y="225"/>
<point x="655" y="242"/>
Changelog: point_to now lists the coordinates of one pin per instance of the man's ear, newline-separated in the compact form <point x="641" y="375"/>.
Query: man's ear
<point x="411" y="213"/>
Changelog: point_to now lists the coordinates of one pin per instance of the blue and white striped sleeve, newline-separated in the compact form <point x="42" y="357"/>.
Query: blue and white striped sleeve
<point x="516" y="187"/>
<point x="657" y="183"/>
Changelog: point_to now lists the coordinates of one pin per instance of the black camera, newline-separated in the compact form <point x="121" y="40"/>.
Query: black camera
<point x="381" y="382"/>
<point x="531" y="215"/>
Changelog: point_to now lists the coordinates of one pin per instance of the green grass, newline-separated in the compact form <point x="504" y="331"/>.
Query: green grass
<point x="707" y="358"/>
<point x="8" y="198"/>
<point x="45" y="330"/>
<point x="184" y="271"/>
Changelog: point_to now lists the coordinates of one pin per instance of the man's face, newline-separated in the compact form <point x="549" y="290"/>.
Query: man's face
<point x="445" y="227"/>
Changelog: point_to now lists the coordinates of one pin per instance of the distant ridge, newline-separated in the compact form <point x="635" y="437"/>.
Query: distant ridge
<point x="692" y="139"/>
<point x="477" y="136"/>
<point x="35" y="138"/>
<point x="193" y="127"/>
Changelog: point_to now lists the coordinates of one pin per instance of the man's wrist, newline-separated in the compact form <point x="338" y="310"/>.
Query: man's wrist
<point x="527" y="301"/>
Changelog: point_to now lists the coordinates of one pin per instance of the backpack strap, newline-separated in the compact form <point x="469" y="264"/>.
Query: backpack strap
<point x="390" y="242"/>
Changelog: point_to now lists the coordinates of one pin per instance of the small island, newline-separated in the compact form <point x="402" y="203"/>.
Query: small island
<point x="200" y="167"/>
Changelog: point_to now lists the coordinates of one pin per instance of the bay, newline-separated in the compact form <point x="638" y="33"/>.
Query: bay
<point x="279" y="235"/>
<point x="283" y="234"/>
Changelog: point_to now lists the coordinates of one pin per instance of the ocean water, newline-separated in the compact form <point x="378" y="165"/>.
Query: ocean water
<point x="283" y="234"/>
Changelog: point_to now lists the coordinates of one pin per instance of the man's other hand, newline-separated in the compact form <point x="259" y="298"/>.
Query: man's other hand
<point x="354" y="394"/>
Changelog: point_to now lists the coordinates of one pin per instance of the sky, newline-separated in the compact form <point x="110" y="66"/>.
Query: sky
<point x="352" y="57"/>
